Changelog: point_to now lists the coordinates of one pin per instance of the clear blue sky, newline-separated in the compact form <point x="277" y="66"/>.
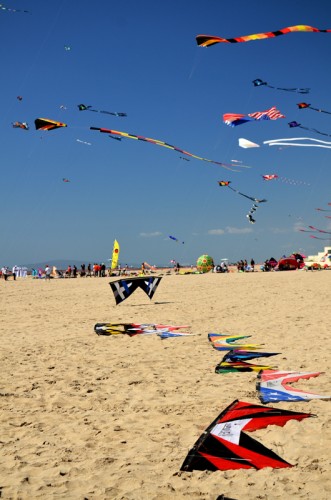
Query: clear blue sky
<point x="141" y="57"/>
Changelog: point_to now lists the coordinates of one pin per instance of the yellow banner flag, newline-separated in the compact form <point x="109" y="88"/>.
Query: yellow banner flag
<point x="116" y="252"/>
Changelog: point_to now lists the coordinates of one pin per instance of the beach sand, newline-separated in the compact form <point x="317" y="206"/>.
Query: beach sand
<point x="95" y="417"/>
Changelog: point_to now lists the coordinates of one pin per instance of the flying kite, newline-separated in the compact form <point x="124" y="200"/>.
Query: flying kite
<point x="258" y="83"/>
<point x="304" y="105"/>
<point x="46" y="124"/>
<point x="246" y="144"/>
<point x="82" y="107"/>
<point x="123" y="288"/>
<point x="2" y="7"/>
<point x="317" y="238"/>
<point x="67" y="48"/>
<point x="289" y="141"/>
<point x="323" y="209"/>
<point x="274" y="386"/>
<point x="84" y="142"/>
<point x="296" y="124"/>
<point x="233" y="119"/>
<point x="176" y="239"/>
<point x="22" y="125"/>
<point x="224" y="445"/>
<point x="271" y="177"/>
<point x="116" y="138"/>
<point x="163" y="144"/>
<point x="65" y="180"/>
<point x="255" y="200"/>
<point x="208" y="40"/>
<point x="182" y="158"/>
<point x="19" y="98"/>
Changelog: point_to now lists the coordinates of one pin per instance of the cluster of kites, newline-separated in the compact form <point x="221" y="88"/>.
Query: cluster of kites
<point x="230" y="119"/>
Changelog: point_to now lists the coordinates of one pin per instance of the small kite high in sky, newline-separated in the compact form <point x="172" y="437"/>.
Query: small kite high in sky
<point x="296" y="124"/>
<point x="65" y="180"/>
<point x="82" y="107"/>
<point x="22" y="125"/>
<point x="259" y="83"/>
<point x="46" y="124"/>
<point x="3" y="7"/>
<point x="233" y="119"/>
<point x="304" y="105"/>
<point x="176" y="239"/>
<point x="272" y="177"/>
<point x="224" y="445"/>
<point x="165" y="145"/>
<point x="208" y="40"/>
<point x="255" y="200"/>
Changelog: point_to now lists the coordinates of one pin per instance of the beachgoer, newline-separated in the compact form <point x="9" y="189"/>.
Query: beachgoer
<point x="252" y="264"/>
<point x="14" y="271"/>
<point x="4" y="271"/>
<point x="47" y="272"/>
<point x="142" y="269"/>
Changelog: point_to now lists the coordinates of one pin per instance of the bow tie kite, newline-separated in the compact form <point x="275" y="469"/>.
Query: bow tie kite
<point x="208" y="40"/>
<point x="123" y="288"/>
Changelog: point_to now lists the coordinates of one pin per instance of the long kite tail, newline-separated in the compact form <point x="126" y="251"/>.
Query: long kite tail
<point x="208" y="40"/>
<point x="164" y="144"/>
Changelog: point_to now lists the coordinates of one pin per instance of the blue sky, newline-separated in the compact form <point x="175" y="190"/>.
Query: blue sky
<point x="142" y="58"/>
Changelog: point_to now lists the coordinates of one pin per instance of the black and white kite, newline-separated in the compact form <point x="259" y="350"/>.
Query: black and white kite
<point x="123" y="288"/>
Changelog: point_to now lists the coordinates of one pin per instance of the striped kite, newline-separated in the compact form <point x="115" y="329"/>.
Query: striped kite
<point x="46" y="124"/>
<point x="233" y="119"/>
<point x="164" y="144"/>
<point x="208" y="40"/>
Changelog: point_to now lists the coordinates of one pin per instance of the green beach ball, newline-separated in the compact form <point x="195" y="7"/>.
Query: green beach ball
<point x="205" y="263"/>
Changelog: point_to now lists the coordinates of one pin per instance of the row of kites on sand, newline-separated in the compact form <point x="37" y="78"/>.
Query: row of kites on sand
<point x="225" y="444"/>
<point x="231" y="119"/>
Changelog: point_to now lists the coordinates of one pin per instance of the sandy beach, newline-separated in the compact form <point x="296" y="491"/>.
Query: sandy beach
<point x="95" y="417"/>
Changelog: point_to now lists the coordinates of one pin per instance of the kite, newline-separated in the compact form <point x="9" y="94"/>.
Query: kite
<point x="255" y="200"/>
<point x="233" y="119"/>
<point x="63" y="107"/>
<point x="317" y="238"/>
<point x="287" y="142"/>
<point x="239" y="366"/>
<point x="22" y="125"/>
<point x="225" y="342"/>
<point x="323" y="209"/>
<point x="176" y="239"/>
<point x="82" y="107"/>
<point x="163" y="144"/>
<point x="46" y="124"/>
<point x="314" y="229"/>
<point x="304" y="105"/>
<point x="84" y="142"/>
<point x="116" y="138"/>
<point x="19" y="98"/>
<point x="207" y="40"/>
<point x="244" y="143"/>
<point x="258" y="83"/>
<point x="65" y="180"/>
<point x="242" y="355"/>
<point x="133" y="329"/>
<point x="167" y="335"/>
<point x="67" y="48"/>
<point x="123" y="288"/>
<point x="182" y="158"/>
<point x="271" y="177"/>
<point x="115" y="255"/>
<point x="296" y="124"/>
<point x="2" y="7"/>
<point x="273" y="386"/>
<point x="227" y="184"/>
<point x="224" y="445"/>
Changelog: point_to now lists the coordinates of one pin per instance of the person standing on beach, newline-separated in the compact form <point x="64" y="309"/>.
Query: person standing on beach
<point x="14" y="271"/>
<point x="47" y="273"/>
